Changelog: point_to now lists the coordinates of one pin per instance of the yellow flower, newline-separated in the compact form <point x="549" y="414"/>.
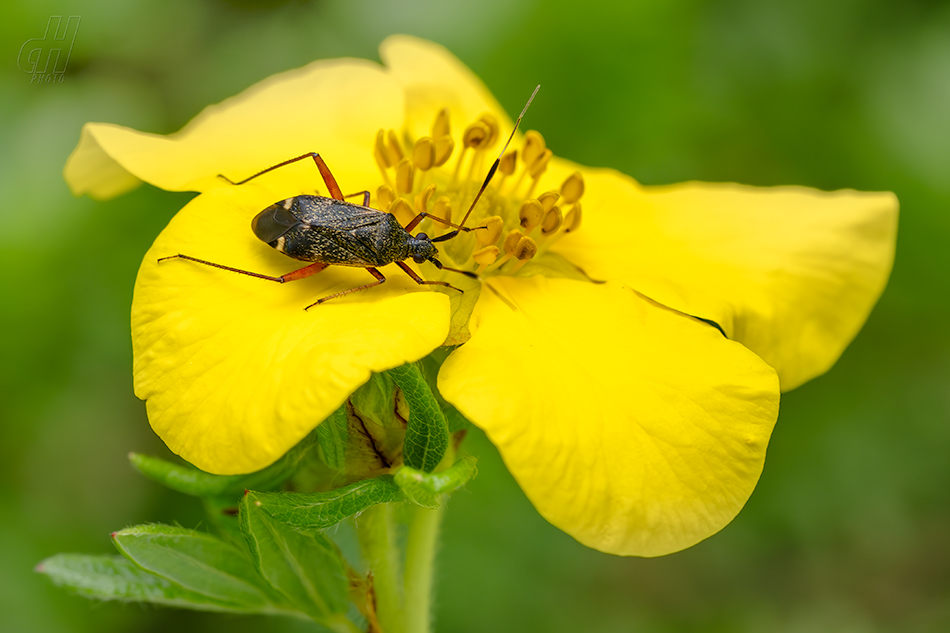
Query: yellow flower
<point x="629" y="418"/>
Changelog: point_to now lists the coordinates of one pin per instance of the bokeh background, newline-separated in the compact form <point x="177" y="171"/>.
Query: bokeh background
<point x="849" y="528"/>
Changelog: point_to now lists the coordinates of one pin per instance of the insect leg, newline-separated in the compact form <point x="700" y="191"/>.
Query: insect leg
<point x="306" y="271"/>
<point x="321" y="165"/>
<point x="365" y="195"/>
<point x="419" y="280"/>
<point x="380" y="278"/>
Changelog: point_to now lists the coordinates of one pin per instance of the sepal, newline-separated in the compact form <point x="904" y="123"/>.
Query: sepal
<point x="425" y="489"/>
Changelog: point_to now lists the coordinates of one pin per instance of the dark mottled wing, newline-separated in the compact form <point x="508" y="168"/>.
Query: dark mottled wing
<point x="341" y="233"/>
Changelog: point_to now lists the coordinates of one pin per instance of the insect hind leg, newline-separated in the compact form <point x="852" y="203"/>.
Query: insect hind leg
<point x="300" y="273"/>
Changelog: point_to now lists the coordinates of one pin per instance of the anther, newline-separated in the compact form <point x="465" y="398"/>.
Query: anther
<point x="402" y="210"/>
<point x="548" y="200"/>
<point x="492" y="124"/>
<point x="423" y="154"/>
<point x="526" y="248"/>
<point x="573" y="188"/>
<point x="443" y="149"/>
<point x="476" y="135"/>
<point x="404" y="177"/>
<point x="540" y="164"/>
<point x="511" y="241"/>
<point x="508" y="163"/>
<point x="492" y="232"/>
<point x="551" y="221"/>
<point x="385" y="196"/>
<point x="572" y="221"/>
<point x="533" y="147"/>
<point x="423" y="197"/>
<point x="441" y="127"/>
<point x="530" y="214"/>
<point x="485" y="256"/>
<point x="380" y="151"/>
<point x="395" y="150"/>
<point x="443" y="208"/>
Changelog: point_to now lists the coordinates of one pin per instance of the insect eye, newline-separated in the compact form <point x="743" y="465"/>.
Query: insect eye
<point x="422" y="236"/>
<point x="419" y="257"/>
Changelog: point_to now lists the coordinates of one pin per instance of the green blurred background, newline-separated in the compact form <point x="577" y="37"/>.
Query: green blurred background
<point x="849" y="528"/>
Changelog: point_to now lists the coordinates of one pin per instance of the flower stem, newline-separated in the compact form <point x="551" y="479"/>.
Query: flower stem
<point x="378" y="543"/>
<point x="420" y="556"/>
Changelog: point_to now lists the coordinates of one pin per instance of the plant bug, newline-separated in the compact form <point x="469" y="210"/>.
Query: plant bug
<point x="334" y="232"/>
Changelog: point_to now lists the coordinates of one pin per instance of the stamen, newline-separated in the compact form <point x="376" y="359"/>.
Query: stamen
<point x="476" y="135"/>
<point x="530" y="214"/>
<point x="485" y="256"/>
<point x="422" y="198"/>
<point x="395" y="150"/>
<point x="573" y="188"/>
<point x="511" y="241"/>
<point x="551" y="221"/>
<point x="491" y="123"/>
<point x="533" y="147"/>
<point x="381" y="154"/>
<point x="491" y="233"/>
<point x="443" y="149"/>
<point x="402" y="210"/>
<point x="548" y="200"/>
<point x="404" y="177"/>
<point x="572" y="221"/>
<point x="441" y="127"/>
<point x="526" y="249"/>
<point x="385" y="196"/>
<point x="423" y="154"/>
<point x="537" y="168"/>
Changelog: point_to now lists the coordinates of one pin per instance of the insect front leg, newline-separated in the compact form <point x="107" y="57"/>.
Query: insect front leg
<point x="300" y="273"/>
<point x="380" y="278"/>
<point x="419" y="280"/>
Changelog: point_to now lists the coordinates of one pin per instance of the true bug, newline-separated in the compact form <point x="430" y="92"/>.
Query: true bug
<point x="334" y="232"/>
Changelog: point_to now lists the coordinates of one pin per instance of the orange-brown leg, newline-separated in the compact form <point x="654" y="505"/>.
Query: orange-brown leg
<point x="328" y="178"/>
<point x="419" y="280"/>
<point x="380" y="278"/>
<point x="300" y="273"/>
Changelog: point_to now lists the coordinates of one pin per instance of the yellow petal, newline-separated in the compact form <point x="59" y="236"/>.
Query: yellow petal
<point x="634" y="428"/>
<point x="432" y="79"/>
<point x="330" y="107"/>
<point x="790" y="272"/>
<point x="233" y="370"/>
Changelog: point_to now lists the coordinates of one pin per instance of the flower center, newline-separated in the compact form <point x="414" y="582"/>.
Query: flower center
<point x="422" y="176"/>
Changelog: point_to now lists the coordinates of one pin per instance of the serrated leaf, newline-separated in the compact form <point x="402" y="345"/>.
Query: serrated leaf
<point x="116" y="578"/>
<point x="189" y="480"/>
<point x="333" y="435"/>
<point x="320" y="510"/>
<point x="427" y="433"/>
<point x="424" y="489"/>
<point x="305" y="567"/>
<point x="199" y="562"/>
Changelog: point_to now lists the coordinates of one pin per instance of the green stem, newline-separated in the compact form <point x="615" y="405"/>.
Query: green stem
<point x="420" y="556"/>
<point x="378" y="543"/>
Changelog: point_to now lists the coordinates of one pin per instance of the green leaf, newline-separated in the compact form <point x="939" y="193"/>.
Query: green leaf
<point x="320" y="510"/>
<point x="189" y="480"/>
<point x="305" y="567"/>
<point x="199" y="562"/>
<point x="427" y="433"/>
<point x="333" y="436"/>
<point x="424" y="489"/>
<point x="223" y="515"/>
<point x="115" y="578"/>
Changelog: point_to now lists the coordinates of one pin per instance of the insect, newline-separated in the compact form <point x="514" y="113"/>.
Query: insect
<point x="334" y="232"/>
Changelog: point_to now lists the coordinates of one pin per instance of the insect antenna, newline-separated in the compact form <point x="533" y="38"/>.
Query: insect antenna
<point x="491" y="173"/>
